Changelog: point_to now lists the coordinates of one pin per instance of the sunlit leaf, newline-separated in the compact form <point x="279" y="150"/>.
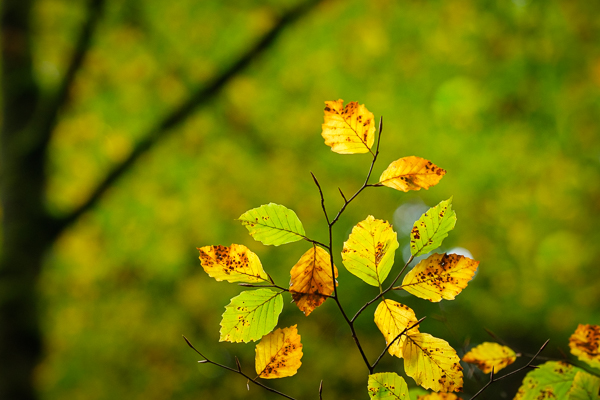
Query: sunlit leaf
<point x="278" y="354"/>
<point x="432" y="363"/>
<point x="490" y="355"/>
<point x="251" y="315"/>
<point x="411" y="173"/>
<point x="439" y="396"/>
<point x="350" y="129"/>
<point x="432" y="228"/>
<point x="585" y="344"/>
<point x="273" y="224"/>
<point x="387" y="386"/>
<point x="233" y="264"/>
<point x="392" y="318"/>
<point x="585" y="387"/>
<point x="311" y="281"/>
<point x="369" y="251"/>
<point x="551" y="380"/>
<point x="440" y="276"/>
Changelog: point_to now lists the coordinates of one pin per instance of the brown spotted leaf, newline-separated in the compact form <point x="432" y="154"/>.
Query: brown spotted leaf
<point x="387" y="386"/>
<point x="440" y="276"/>
<point x="432" y="363"/>
<point x="551" y="380"/>
<point x="432" y="228"/>
<point x="393" y="318"/>
<point x="235" y="263"/>
<point x="311" y="281"/>
<point x="350" y="129"/>
<point x="411" y="173"/>
<point x="585" y="344"/>
<point x="489" y="355"/>
<point x="278" y="354"/>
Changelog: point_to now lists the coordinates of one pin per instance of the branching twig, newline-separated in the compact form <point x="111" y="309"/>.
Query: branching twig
<point x="392" y="342"/>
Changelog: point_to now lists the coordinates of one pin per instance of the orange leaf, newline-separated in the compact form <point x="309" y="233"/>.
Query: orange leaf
<point x="233" y="264"/>
<point x="350" y="129"/>
<point x="439" y="396"/>
<point x="411" y="173"/>
<point x="585" y="344"/>
<point x="490" y="355"/>
<point x="278" y="354"/>
<point x="311" y="282"/>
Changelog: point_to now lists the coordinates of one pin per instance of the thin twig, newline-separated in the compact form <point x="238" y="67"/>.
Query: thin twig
<point x="392" y="342"/>
<point x="237" y="371"/>
<point x="254" y="285"/>
<point x="321" y="390"/>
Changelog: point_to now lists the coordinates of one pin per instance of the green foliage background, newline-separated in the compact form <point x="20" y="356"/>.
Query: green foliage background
<point x="504" y="95"/>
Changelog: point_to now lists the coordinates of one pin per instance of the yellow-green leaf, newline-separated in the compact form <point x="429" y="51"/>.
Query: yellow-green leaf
<point x="278" y="354"/>
<point x="387" y="386"/>
<point x="432" y="228"/>
<point x="432" y="363"/>
<point x="440" y="276"/>
<point x="585" y="344"/>
<point x="369" y="251"/>
<point x="251" y="315"/>
<point x="233" y="264"/>
<point x="585" y="387"/>
<point x="411" y="173"/>
<point x="273" y="224"/>
<point x="551" y="380"/>
<point x="311" y="281"/>
<point x="350" y="129"/>
<point x="392" y="318"/>
<point x="489" y="355"/>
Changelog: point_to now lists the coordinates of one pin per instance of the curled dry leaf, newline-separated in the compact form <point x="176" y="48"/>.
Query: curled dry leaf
<point x="440" y="276"/>
<point x="278" y="354"/>
<point x="350" y="129"/>
<point x="392" y="318"/>
<point x="488" y="356"/>
<point x="235" y="263"/>
<point x="311" y="281"/>
<point x="585" y="344"/>
<point x="411" y="173"/>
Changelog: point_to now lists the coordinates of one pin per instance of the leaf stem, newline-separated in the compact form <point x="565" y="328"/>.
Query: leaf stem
<point x="392" y="342"/>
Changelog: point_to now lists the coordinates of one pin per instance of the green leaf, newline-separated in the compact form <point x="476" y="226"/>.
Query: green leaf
<point x="551" y="380"/>
<point x="432" y="228"/>
<point x="273" y="224"/>
<point x="369" y="251"/>
<point x="251" y="315"/>
<point x="585" y="387"/>
<point x="387" y="386"/>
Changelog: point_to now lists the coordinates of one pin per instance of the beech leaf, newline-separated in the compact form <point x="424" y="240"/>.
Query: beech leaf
<point x="350" y="129"/>
<point x="411" y="173"/>
<point x="387" y="386"/>
<point x="392" y="318"/>
<point x="489" y="355"/>
<point x="551" y="380"/>
<point x="233" y="264"/>
<point x="273" y="224"/>
<point x="251" y="315"/>
<point x="440" y="276"/>
<point x="585" y="387"/>
<point x="439" y="396"/>
<point x="278" y="354"/>
<point x="432" y="228"/>
<point x="585" y="344"/>
<point x="311" y="281"/>
<point x="369" y="251"/>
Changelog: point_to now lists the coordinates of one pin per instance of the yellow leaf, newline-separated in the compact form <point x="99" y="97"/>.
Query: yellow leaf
<point x="440" y="276"/>
<point x="432" y="363"/>
<point x="490" y="355"/>
<point x="369" y="251"/>
<point x="392" y="318"/>
<point x="278" y="354"/>
<point x="585" y="344"/>
<point x="311" y="282"/>
<point x="439" y="396"/>
<point x="411" y="173"/>
<point x="350" y="129"/>
<point x="233" y="264"/>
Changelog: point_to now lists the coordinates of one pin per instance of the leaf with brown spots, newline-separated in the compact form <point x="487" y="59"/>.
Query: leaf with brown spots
<point x="585" y="344"/>
<point x="251" y="315"/>
<point x="387" y="386"/>
<point x="585" y="387"/>
<point x="233" y="264"/>
<point x="440" y="276"/>
<point x="350" y="129"/>
<point x="439" y="396"/>
<point x="411" y="173"/>
<point x="551" y="380"/>
<point x="311" y="281"/>
<point x="432" y="228"/>
<point x="278" y="354"/>
<point x="432" y="363"/>
<point x="489" y="355"/>
<point x="273" y="224"/>
<point x="392" y="318"/>
<point x="369" y="251"/>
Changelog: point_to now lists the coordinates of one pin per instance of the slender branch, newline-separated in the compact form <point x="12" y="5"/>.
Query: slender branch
<point x="182" y="112"/>
<point x="321" y="390"/>
<point x="396" y="338"/>
<point x="494" y="379"/>
<point x="253" y="285"/>
<point x="237" y="371"/>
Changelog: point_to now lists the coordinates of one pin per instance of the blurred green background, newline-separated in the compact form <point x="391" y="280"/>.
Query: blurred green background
<point x="504" y="95"/>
